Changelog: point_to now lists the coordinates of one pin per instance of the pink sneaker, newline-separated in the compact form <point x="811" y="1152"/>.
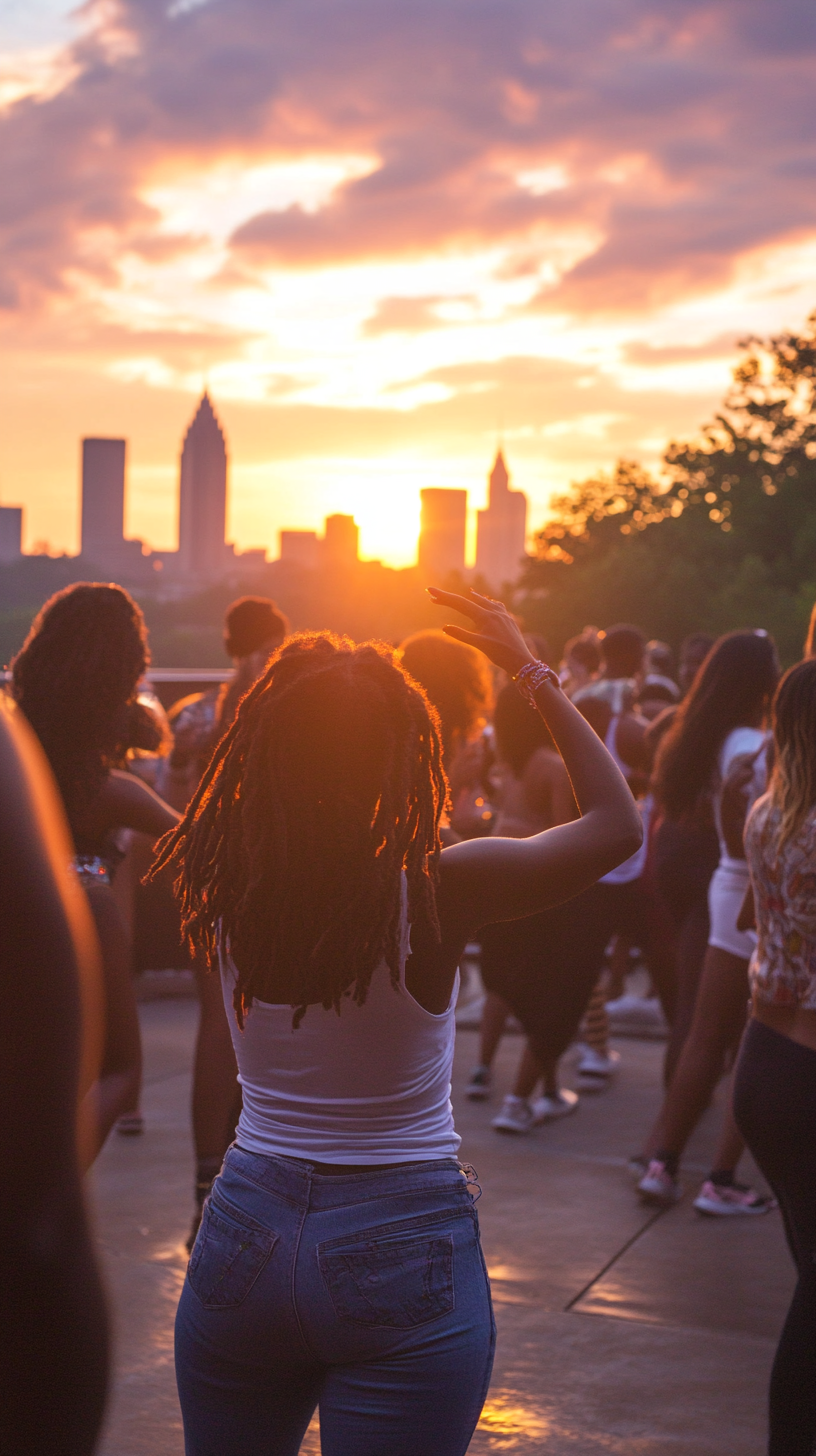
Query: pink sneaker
<point x="727" y="1200"/>
<point x="658" y="1186"/>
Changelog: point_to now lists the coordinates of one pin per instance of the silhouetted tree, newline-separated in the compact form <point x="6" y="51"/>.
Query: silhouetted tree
<point x="726" y="538"/>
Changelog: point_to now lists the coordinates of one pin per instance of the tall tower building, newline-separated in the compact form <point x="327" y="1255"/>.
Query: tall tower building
<point x="11" y="534"/>
<point x="442" y="532"/>
<point x="502" y="528"/>
<point x="341" y="540"/>
<point x="203" y="495"/>
<point x="103" y="499"/>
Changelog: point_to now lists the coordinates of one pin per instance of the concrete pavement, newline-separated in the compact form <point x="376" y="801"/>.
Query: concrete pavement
<point x="619" y="1332"/>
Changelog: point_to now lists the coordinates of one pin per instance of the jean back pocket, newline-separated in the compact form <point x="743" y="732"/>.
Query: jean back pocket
<point x="228" y="1257"/>
<point x="393" y="1282"/>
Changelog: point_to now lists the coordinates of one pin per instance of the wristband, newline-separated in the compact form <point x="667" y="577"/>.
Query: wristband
<point x="531" y="677"/>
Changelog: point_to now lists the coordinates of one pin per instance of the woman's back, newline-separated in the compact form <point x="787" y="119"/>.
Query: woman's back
<point x="365" y="1084"/>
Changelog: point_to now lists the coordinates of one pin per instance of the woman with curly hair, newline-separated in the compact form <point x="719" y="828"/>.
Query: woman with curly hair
<point x="459" y="684"/>
<point x="75" y="679"/>
<point x="309" y="871"/>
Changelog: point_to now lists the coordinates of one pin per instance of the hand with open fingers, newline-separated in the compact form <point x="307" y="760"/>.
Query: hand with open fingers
<point x="497" y="633"/>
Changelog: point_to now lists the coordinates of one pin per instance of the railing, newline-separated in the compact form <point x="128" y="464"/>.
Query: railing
<point x="163" y="680"/>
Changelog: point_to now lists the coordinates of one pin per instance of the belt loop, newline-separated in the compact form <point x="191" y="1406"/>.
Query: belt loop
<point x="471" y="1178"/>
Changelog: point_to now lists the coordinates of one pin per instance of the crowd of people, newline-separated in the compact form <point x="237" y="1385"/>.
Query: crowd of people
<point x="322" y="838"/>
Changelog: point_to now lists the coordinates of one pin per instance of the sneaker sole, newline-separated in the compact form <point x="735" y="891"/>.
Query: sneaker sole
<point x="710" y="1210"/>
<point x="513" y="1131"/>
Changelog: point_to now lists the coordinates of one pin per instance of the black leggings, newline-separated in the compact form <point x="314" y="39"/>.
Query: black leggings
<point x="775" y="1109"/>
<point x="546" y="966"/>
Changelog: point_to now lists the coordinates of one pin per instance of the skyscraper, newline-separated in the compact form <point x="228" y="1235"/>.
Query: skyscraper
<point x="103" y="500"/>
<point x="442" y="532"/>
<point x="502" y="528"/>
<point x="341" y="540"/>
<point x="203" y="495"/>
<point x="11" y="534"/>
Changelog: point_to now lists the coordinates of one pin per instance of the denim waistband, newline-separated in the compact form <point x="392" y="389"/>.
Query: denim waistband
<point x="299" y="1183"/>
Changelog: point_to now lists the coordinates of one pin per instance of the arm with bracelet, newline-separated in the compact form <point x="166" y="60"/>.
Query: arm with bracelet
<point x="488" y="880"/>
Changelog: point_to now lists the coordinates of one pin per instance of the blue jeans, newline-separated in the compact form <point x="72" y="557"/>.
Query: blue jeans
<point x="365" y="1294"/>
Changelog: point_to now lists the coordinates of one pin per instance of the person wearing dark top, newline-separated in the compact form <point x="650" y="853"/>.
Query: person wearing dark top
<point x="75" y="679"/>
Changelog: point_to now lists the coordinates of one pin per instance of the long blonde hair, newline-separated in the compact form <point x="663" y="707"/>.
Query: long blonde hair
<point x="793" y="784"/>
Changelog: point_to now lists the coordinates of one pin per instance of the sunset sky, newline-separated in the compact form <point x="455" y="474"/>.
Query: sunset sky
<point x="387" y="233"/>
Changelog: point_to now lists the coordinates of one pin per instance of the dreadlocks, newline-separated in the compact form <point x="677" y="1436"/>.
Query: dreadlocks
<point x="75" y="679"/>
<point x="327" y="785"/>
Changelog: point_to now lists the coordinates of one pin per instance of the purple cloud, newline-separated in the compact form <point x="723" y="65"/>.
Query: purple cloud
<point x="685" y="131"/>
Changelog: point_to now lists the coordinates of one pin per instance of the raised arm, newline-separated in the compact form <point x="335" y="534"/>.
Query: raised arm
<point x="485" y="880"/>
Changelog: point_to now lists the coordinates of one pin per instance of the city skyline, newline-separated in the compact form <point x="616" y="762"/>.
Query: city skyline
<point x="203" y="552"/>
<point x="201" y="495"/>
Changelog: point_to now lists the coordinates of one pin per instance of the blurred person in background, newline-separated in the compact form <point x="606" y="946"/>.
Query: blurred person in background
<point x="54" y="1360"/>
<point x="459" y="683"/>
<point x="658" y="689"/>
<point x="580" y="662"/>
<point x="775" y="1077"/>
<point x="722" y="718"/>
<point x="534" y="794"/>
<point x="150" y="740"/>
<point x="254" y="628"/>
<point x="75" y="679"/>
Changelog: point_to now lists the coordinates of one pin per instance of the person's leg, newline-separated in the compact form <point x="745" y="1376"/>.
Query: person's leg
<point x="690" y="950"/>
<point x="494" y="1019"/>
<point x="775" y="1108"/>
<point x="720" y="1011"/>
<point x="216" y="1093"/>
<point x="497" y="968"/>
<point x="529" y="1073"/>
<point x="618" y="967"/>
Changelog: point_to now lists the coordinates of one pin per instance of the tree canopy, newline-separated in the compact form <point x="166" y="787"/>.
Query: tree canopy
<point x="724" y="538"/>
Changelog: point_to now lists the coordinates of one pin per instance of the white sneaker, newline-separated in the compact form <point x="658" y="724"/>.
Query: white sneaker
<point x="548" y="1109"/>
<point x="657" y="1186"/>
<point x="594" y="1069"/>
<point x="727" y="1200"/>
<point x="516" y="1116"/>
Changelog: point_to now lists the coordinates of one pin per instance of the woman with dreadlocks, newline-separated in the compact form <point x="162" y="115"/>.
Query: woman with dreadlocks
<point x="75" y="679"/>
<point x="338" y="1259"/>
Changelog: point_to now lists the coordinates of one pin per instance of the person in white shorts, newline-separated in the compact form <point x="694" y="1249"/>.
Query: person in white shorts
<point x="720" y="1008"/>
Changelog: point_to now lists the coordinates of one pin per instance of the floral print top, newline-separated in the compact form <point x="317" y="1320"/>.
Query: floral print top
<point x="783" y="966"/>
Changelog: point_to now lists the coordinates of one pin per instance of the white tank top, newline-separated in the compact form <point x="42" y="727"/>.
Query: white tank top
<point x="371" y="1085"/>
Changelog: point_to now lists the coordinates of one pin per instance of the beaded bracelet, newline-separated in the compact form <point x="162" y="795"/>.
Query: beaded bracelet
<point x="531" y="677"/>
